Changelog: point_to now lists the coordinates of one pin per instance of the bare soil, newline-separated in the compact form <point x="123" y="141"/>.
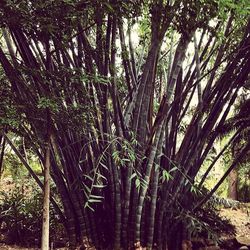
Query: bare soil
<point x="240" y="218"/>
<point x="7" y="247"/>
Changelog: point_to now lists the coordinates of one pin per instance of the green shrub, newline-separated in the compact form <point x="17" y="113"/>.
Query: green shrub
<point x="21" y="215"/>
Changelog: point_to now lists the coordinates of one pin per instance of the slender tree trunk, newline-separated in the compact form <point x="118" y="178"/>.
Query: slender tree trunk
<point x="45" y="226"/>
<point x="233" y="184"/>
<point x="2" y="148"/>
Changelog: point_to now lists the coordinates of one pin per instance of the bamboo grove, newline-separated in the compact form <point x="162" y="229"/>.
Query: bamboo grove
<point x="126" y="141"/>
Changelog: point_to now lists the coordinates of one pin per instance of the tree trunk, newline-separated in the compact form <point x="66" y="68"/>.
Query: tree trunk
<point x="2" y="148"/>
<point x="45" y="227"/>
<point x="233" y="184"/>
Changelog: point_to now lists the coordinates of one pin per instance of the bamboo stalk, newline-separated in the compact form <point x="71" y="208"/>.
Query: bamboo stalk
<point x="145" y="186"/>
<point x="152" y="227"/>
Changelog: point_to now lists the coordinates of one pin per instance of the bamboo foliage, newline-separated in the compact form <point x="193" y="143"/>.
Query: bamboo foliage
<point x="124" y="152"/>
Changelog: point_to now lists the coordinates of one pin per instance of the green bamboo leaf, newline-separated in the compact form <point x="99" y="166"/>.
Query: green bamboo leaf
<point x="132" y="176"/>
<point x="102" y="177"/>
<point x="166" y="176"/>
<point x="103" y="165"/>
<point x="137" y="183"/>
<point x="94" y="201"/>
<point x="109" y="6"/>
<point x="86" y="187"/>
<point x="88" y="206"/>
<point x="173" y="169"/>
<point x="99" y="186"/>
<point x="131" y="156"/>
<point x="88" y="177"/>
<point x="96" y="196"/>
<point x="126" y="160"/>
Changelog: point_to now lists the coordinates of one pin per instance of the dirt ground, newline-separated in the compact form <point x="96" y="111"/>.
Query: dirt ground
<point x="6" y="247"/>
<point x="240" y="218"/>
